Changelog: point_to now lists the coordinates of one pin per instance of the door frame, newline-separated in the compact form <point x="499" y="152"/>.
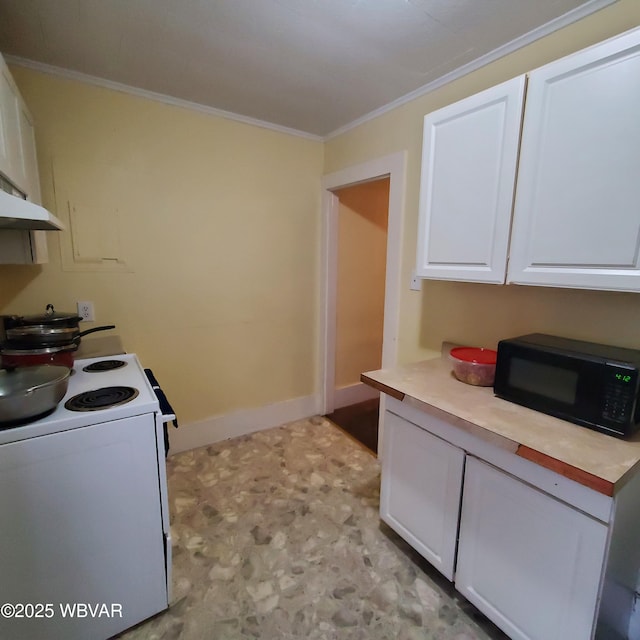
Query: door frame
<point x="392" y="166"/>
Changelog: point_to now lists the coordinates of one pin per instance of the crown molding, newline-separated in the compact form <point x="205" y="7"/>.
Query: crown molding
<point x="518" y="43"/>
<point x="558" y="23"/>
<point x="152" y="95"/>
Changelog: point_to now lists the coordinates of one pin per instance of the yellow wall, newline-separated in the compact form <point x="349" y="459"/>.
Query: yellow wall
<point x="221" y="231"/>
<point x="362" y="246"/>
<point x="474" y="313"/>
<point x="219" y="224"/>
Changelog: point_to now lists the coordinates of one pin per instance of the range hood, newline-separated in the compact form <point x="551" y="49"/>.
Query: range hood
<point x="17" y="213"/>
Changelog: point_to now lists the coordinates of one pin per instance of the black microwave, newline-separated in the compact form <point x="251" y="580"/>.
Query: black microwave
<point x="593" y="385"/>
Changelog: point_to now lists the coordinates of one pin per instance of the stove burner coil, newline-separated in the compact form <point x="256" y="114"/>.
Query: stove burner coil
<point x="104" y="365"/>
<point x="103" y="398"/>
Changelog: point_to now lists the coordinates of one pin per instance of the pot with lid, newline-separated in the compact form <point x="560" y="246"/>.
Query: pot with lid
<point x="44" y="331"/>
<point x="51" y="318"/>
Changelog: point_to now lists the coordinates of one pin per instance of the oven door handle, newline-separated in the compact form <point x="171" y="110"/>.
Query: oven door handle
<point x="168" y="414"/>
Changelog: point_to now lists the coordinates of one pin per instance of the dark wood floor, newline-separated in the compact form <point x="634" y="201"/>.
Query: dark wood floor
<point x="359" y="421"/>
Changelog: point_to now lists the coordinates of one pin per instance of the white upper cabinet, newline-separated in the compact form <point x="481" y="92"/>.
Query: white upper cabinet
<point x="29" y="156"/>
<point x="18" y="159"/>
<point x="16" y="134"/>
<point x="19" y="165"/>
<point x="577" y="211"/>
<point x="469" y="159"/>
<point x="9" y="127"/>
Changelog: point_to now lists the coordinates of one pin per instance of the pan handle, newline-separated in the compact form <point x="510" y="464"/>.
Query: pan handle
<point x="87" y="331"/>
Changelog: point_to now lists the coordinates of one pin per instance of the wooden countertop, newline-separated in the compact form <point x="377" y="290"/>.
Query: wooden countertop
<point x="598" y="461"/>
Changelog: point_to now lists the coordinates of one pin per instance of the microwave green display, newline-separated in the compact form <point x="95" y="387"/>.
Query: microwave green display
<point x="623" y="377"/>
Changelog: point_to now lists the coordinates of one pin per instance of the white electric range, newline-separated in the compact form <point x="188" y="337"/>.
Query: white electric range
<point x="85" y="546"/>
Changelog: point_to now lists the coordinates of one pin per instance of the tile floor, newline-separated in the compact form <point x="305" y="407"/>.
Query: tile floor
<point x="276" y="535"/>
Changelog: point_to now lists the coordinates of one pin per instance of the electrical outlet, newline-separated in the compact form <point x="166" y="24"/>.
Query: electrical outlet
<point x="85" y="311"/>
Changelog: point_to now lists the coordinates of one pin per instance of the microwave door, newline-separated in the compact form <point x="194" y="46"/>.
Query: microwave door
<point x="546" y="383"/>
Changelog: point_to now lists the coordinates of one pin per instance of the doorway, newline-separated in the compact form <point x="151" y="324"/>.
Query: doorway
<point x="389" y="173"/>
<point x="363" y="212"/>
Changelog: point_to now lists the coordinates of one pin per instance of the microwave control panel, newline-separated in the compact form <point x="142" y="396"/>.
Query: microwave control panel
<point x="619" y="393"/>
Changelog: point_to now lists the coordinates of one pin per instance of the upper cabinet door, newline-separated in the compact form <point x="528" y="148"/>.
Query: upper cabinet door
<point x="18" y="161"/>
<point x="9" y="129"/>
<point x="577" y="210"/>
<point x="29" y="155"/>
<point x="469" y="160"/>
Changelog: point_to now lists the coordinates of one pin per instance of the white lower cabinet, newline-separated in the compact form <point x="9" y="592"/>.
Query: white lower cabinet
<point x="532" y="563"/>
<point x="420" y="491"/>
<point x="529" y="562"/>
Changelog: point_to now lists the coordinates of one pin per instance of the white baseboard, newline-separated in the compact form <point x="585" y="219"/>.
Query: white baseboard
<point x="353" y="394"/>
<point x="240" y="423"/>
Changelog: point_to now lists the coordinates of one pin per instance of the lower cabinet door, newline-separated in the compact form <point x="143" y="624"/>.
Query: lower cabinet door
<point x="530" y="563"/>
<point x="420" y="490"/>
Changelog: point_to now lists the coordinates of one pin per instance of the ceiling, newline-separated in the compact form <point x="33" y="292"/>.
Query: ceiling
<point x="314" y="66"/>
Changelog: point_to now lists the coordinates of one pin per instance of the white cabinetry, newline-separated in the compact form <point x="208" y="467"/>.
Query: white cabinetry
<point x="29" y="164"/>
<point x="519" y="546"/>
<point x="19" y="166"/>
<point x="469" y="158"/>
<point x="18" y="161"/>
<point x="9" y="127"/>
<point x="528" y="547"/>
<point x="576" y="221"/>
<point x="420" y="469"/>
